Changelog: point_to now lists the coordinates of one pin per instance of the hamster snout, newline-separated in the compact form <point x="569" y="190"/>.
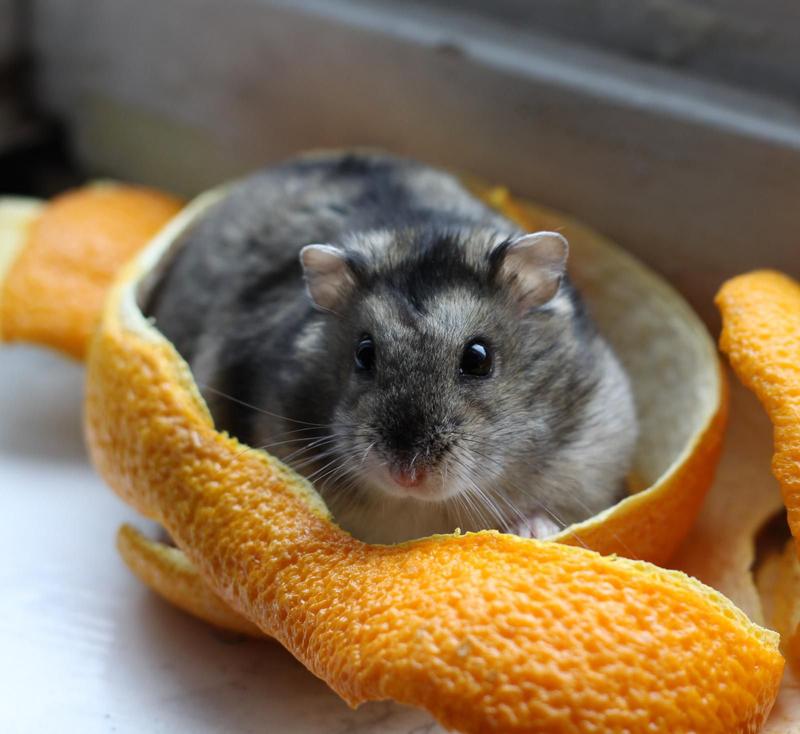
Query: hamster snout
<point x="424" y="363"/>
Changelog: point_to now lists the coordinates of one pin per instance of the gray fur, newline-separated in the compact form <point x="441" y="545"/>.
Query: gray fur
<point x="545" y="441"/>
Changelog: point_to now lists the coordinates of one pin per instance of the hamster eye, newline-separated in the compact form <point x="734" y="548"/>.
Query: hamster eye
<point x="476" y="360"/>
<point x="365" y="354"/>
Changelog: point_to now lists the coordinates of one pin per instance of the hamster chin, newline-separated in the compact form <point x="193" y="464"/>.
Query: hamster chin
<point x="424" y="483"/>
<point x="394" y="505"/>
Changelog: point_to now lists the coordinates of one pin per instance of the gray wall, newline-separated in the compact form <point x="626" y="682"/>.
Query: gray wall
<point x="700" y="179"/>
<point x="749" y="43"/>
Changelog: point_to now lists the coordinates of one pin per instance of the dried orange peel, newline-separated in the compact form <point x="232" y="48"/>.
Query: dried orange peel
<point x="487" y="631"/>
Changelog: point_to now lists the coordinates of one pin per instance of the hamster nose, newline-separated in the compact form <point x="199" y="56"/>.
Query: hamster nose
<point x="408" y="477"/>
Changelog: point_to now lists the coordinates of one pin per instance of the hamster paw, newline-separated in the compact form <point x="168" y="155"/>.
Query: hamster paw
<point x="536" y="526"/>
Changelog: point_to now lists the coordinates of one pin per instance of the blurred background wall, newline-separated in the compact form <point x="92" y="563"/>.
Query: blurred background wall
<point x="748" y="43"/>
<point x="671" y="125"/>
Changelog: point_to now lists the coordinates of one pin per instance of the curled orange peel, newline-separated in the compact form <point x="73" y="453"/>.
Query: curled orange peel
<point x="170" y="574"/>
<point x="56" y="284"/>
<point x="761" y="337"/>
<point x="488" y="632"/>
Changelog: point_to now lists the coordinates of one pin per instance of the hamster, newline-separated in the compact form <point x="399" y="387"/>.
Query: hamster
<point x="426" y="364"/>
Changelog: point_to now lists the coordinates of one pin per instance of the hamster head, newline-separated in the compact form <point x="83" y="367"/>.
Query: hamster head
<point x="470" y="379"/>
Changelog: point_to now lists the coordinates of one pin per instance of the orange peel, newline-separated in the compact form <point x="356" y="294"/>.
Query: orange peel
<point x="56" y="284"/>
<point x="488" y="632"/>
<point x="761" y="337"/>
<point x="169" y="573"/>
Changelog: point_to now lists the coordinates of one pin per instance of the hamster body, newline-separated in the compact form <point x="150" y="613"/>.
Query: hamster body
<point x="426" y="364"/>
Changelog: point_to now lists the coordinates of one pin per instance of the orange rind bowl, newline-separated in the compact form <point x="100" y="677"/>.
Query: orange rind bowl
<point x="488" y="632"/>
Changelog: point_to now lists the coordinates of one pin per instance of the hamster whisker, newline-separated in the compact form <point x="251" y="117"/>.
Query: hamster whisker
<point x="270" y="445"/>
<point x="526" y="492"/>
<point x="334" y="474"/>
<point x="474" y="512"/>
<point x="472" y="490"/>
<point x="296" y="431"/>
<point x="340" y="457"/>
<point x="337" y="476"/>
<point x="301" y="462"/>
<point x="245" y="404"/>
<point x="489" y="502"/>
<point x="551" y="513"/>
<point x="366" y="451"/>
<point x="473" y="499"/>
<point x="311" y="459"/>
<point x="266" y="446"/>
<point x="497" y="495"/>
<point x="316" y="474"/>
<point x="313" y="444"/>
<point x="455" y="505"/>
<point x="478" y="441"/>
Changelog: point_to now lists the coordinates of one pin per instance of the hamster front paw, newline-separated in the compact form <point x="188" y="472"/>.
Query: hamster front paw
<point x="536" y="526"/>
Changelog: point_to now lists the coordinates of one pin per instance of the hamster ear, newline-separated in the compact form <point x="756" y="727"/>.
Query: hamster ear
<point x="532" y="266"/>
<point x="328" y="277"/>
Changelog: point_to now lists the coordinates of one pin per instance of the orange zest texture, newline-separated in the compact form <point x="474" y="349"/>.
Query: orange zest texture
<point x="488" y="632"/>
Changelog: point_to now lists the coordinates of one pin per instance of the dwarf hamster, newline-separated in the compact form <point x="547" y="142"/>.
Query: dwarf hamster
<point x="425" y="363"/>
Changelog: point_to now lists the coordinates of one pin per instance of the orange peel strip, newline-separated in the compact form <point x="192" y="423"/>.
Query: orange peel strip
<point x="168" y="572"/>
<point x="761" y="337"/>
<point x="55" y="286"/>
<point x="488" y="632"/>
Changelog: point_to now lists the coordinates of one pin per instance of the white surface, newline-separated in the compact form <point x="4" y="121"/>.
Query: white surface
<point x="84" y="647"/>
